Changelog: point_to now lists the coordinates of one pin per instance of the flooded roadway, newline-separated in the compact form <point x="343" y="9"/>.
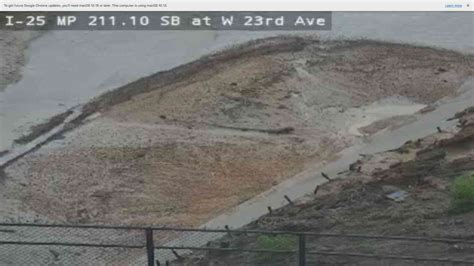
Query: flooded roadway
<point x="69" y="68"/>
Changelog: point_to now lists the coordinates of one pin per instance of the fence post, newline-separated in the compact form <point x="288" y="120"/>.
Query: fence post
<point x="150" y="247"/>
<point x="301" y="250"/>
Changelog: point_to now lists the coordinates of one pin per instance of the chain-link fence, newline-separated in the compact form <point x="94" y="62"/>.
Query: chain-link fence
<point x="228" y="247"/>
<point x="29" y="244"/>
<point x="58" y="245"/>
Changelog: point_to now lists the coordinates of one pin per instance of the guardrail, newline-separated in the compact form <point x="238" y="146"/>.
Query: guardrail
<point x="41" y="244"/>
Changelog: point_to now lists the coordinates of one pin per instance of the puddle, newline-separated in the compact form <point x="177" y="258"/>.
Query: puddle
<point x="389" y="107"/>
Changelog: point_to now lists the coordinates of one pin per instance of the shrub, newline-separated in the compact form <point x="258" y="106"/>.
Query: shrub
<point x="463" y="194"/>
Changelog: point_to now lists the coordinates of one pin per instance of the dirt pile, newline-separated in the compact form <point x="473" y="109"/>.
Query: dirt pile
<point x="184" y="145"/>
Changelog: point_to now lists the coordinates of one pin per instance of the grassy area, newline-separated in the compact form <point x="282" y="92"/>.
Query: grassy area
<point x="275" y="243"/>
<point x="278" y="242"/>
<point x="463" y="194"/>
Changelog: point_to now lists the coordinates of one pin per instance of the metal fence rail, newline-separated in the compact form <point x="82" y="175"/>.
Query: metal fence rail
<point x="40" y="244"/>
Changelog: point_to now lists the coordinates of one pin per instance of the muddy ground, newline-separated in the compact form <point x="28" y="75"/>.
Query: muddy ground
<point x="357" y="203"/>
<point x="179" y="147"/>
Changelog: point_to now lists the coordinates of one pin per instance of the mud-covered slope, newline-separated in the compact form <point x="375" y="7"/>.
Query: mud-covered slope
<point x="297" y="84"/>
<point x="184" y="145"/>
<point x="357" y="203"/>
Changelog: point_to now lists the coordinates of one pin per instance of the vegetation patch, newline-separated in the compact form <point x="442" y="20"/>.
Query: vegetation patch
<point x="278" y="242"/>
<point x="463" y="194"/>
<point x="275" y="243"/>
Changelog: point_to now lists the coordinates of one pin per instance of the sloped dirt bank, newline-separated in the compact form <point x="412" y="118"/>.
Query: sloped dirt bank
<point x="358" y="203"/>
